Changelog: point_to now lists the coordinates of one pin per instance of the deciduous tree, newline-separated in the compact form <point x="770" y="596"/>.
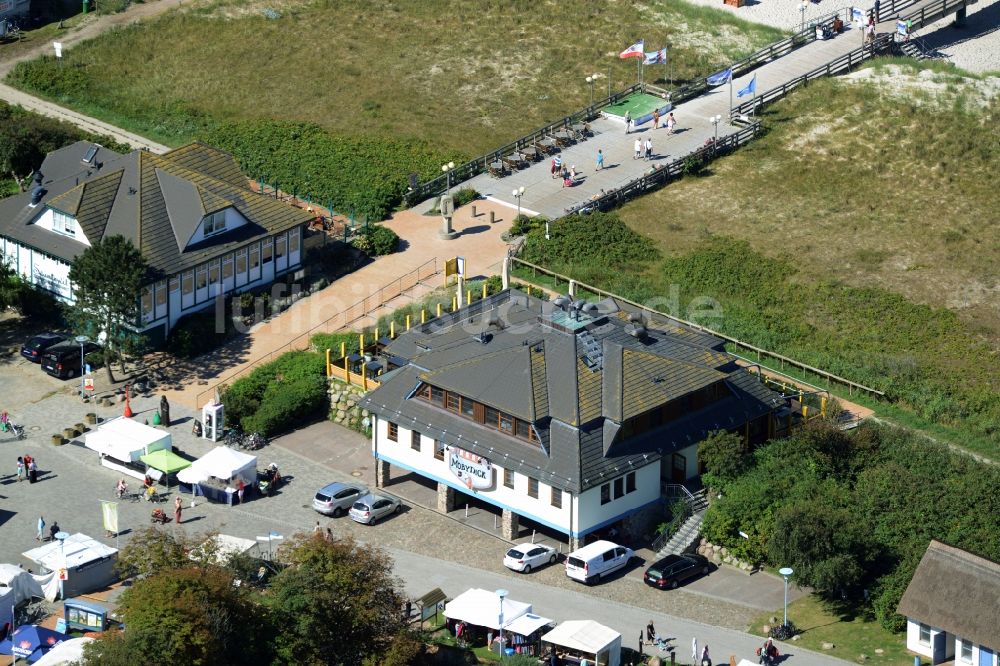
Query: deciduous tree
<point x="107" y="278"/>
<point x="724" y="456"/>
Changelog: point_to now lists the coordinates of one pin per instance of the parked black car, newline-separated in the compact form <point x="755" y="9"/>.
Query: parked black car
<point x="36" y="346"/>
<point x="673" y="570"/>
<point x="63" y="360"/>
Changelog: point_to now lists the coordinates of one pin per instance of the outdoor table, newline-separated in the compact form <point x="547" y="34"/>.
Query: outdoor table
<point x="530" y="152"/>
<point x="496" y="165"/>
<point x="563" y="137"/>
<point x="549" y="144"/>
<point x="578" y="127"/>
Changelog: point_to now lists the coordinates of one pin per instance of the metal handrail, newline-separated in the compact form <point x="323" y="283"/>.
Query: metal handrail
<point x="829" y="376"/>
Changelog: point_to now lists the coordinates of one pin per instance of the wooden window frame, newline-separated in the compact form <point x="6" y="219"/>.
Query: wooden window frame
<point x="439" y="448"/>
<point x="508" y="478"/>
<point x="392" y="432"/>
<point x="605" y="494"/>
<point x="619" y="487"/>
<point x="630" y="483"/>
<point x="556" y="498"/>
<point x="415" y="438"/>
<point x="532" y="487"/>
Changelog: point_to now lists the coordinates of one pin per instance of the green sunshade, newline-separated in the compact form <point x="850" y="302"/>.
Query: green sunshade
<point x="165" y="461"/>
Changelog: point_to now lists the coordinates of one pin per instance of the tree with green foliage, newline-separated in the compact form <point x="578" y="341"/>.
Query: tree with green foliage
<point x="150" y="551"/>
<point x="107" y="278"/>
<point x="336" y="601"/>
<point x="10" y="285"/>
<point x="725" y="457"/>
<point x="185" y="616"/>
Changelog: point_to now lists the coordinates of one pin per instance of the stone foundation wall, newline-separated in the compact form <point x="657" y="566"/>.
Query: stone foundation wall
<point x="721" y="555"/>
<point x="641" y="525"/>
<point x="344" y="408"/>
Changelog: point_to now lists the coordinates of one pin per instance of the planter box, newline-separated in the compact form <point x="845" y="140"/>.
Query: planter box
<point x="57" y="440"/>
<point x="69" y="433"/>
<point x="91" y="418"/>
<point x="734" y="3"/>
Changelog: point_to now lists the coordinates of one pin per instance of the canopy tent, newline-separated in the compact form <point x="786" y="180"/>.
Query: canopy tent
<point x="482" y="608"/>
<point x="220" y="547"/>
<point x="68" y="652"/>
<point x="89" y="564"/>
<point x="589" y="638"/>
<point x="222" y="463"/>
<point x="29" y="641"/>
<point x="526" y="624"/>
<point x="14" y="579"/>
<point x="165" y="461"/>
<point x="122" y="441"/>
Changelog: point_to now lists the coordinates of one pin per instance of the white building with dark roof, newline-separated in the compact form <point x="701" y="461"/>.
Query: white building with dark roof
<point x="951" y="607"/>
<point x="570" y="418"/>
<point x="191" y="213"/>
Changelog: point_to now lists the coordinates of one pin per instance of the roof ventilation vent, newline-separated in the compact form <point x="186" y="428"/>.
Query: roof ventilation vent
<point x="635" y="317"/>
<point x="561" y="302"/>
<point x="38" y="178"/>
<point x="638" y="331"/>
<point x="590" y="307"/>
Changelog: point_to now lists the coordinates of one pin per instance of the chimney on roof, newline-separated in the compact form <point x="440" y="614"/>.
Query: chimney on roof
<point x="36" y="195"/>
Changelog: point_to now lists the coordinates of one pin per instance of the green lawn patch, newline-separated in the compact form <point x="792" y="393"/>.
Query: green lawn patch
<point x="851" y="634"/>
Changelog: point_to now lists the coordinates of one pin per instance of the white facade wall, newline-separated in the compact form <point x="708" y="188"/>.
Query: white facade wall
<point x="38" y="268"/>
<point x="914" y="644"/>
<point x="594" y="515"/>
<point x="980" y="656"/>
<point x="234" y="220"/>
<point x="45" y="221"/>
<point x="400" y="453"/>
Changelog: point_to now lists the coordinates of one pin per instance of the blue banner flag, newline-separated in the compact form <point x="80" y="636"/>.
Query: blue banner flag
<point x="749" y="88"/>
<point x="656" y="57"/>
<point x="719" y="78"/>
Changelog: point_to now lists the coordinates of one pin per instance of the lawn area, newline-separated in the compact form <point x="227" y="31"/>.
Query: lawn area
<point x="852" y="636"/>
<point x="465" y="75"/>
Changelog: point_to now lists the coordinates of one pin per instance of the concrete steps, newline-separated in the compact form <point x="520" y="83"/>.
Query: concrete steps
<point x="686" y="537"/>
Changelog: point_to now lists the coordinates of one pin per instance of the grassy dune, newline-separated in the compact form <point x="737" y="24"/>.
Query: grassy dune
<point x="465" y="74"/>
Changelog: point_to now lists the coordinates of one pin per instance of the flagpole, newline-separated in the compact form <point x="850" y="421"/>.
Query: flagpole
<point x="730" y="93"/>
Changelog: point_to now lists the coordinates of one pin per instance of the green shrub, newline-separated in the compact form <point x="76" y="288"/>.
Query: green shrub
<point x="599" y="241"/>
<point x="494" y="285"/>
<point x="464" y="196"/>
<point x="320" y="342"/>
<point x="287" y="405"/>
<point x="195" y="334"/>
<point x="384" y="240"/>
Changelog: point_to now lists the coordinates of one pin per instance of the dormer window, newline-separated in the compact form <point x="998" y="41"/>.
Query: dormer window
<point x="215" y="223"/>
<point x="63" y="223"/>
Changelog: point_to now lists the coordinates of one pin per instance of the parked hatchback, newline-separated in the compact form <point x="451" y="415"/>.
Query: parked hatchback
<point x="63" y="360"/>
<point x="372" y="508"/>
<point x="527" y="556"/>
<point x="337" y="498"/>
<point x="673" y="570"/>
<point x="36" y="346"/>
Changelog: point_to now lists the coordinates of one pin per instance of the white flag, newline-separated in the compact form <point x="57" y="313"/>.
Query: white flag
<point x="109" y="510"/>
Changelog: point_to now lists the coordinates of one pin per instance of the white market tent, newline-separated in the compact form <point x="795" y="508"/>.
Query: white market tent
<point x="220" y="547"/>
<point x="89" y="564"/>
<point x="482" y="608"/>
<point x="14" y="579"/>
<point x="67" y="652"/>
<point x="121" y="441"/>
<point x="587" y="637"/>
<point x="526" y="624"/>
<point x="223" y="463"/>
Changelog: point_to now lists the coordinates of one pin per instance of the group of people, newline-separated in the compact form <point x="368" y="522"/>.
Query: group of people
<point x="27" y="468"/>
<point x="643" y="150"/>
<point x="568" y="173"/>
<point x="53" y="530"/>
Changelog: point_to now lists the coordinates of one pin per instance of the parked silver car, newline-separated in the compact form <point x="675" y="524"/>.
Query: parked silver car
<point x="336" y="499"/>
<point x="371" y="508"/>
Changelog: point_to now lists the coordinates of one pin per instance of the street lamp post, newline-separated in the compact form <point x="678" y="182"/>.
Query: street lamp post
<point x="785" y="573"/>
<point x="81" y="339"/>
<point x="802" y="13"/>
<point x="715" y="120"/>
<point x="591" y="80"/>
<point x="62" y="536"/>
<point x="447" y="168"/>
<point x="517" y="193"/>
<point x="501" y="593"/>
<point x="546" y="228"/>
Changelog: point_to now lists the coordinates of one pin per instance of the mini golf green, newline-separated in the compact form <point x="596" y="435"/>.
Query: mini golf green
<point x="637" y="104"/>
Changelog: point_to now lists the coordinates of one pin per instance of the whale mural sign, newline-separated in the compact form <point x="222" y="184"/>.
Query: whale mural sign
<point x="472" y="470"/>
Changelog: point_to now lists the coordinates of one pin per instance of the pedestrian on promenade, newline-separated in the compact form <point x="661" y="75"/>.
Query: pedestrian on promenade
<point x="20" y="468"/>
<point x="878" y="4"/>
<point x="650" y="632"/>
<point x="600" y="159"/>
<point x="628" y="122"/>
<point x="329" y="535"/>
<point x="638" y="149"/>
<point x="671" y="123"/>
<point x="41" y="528"/>
<point x="572" y="172"/>
<point x="32" y="471"/>
<point x="559" y="166"/>
<point x="318" y="529"/>
<point x="705" y="659"/>
<point x="177" y="510"/>
<point x="694" y="650"/>
<point x="649" y="149"/>
<point x="554" y="168"/>
<point x="239" y="490"/>
<point x="656" y="118"/>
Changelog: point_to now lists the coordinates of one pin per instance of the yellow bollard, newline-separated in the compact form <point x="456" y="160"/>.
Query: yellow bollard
<point x="822" y="407"/>
<point x="364" y="375"/>
<point x="439" y="310"/>
<point x="375" y="339"/>
<point x="484" y="290"/>
<point x="392" y="329"/>
<point x="347" y="372"/>
<point x="454" y="302"/>
<point x="423" y="315"/>
<point x="361" y="344"/>
<point x="329" y="370"/>
<point x="343" y="349"/>
<point x="408" y="321"/>
<point x="805" y="412"/>
<point x="468" y="296"/>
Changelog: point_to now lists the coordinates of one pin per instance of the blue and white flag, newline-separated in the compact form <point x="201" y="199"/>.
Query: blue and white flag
<point x="749" y="88"/>
<point x="857" y="14"/>
<point x="656" y="57"/>
<point x="719" y="78"/>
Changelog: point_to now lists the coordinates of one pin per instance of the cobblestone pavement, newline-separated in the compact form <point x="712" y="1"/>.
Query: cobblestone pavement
<point x="71" y="483"/>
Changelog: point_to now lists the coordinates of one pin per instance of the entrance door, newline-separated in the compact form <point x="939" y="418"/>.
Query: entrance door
<point x="985" y="657"/>
<point x="938" y="653"/>
<point x="678" y="469"/>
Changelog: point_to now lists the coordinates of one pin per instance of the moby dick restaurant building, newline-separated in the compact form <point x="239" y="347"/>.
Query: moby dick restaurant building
<point x="571" y="416"/>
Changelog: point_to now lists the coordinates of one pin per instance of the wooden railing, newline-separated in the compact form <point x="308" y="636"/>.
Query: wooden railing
<point x="759" y="351"/>
<point x="933" y="11"/>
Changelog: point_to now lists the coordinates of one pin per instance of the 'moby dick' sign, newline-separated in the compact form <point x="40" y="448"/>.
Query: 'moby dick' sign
<point x="474" y="471"/>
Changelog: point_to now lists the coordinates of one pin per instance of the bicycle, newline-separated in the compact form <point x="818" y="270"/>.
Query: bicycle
<point x="18" y="430"/>
<point x="235" y="438"/>
<point x="254" y="441"/>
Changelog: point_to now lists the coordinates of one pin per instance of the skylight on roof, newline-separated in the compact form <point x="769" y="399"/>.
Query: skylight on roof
<point x="91" y="154"/>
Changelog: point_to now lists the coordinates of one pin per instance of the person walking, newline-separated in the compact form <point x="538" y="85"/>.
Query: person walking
<point x="694" y="650"/>
<point x="178" y="504"/>
<point x="671" y="123"/>
<point x="329" y="535"/>
<point x="628" y="122"/>
<point x="572" y="172"/>
<point x="649" y="149"/>
<point x="638" y="149"/>
<point x="600" y="159"/>
<point x="41" y="528"/>
<point x="239" y="490"/>
<point x="20" y="468"/>
<point x="705" y="659"/>
<point x="656" y="118"/>
<point x="650" y="632"/>
<point x="32" y="471"/>
<point x="554" y="169"/>
<point x="558" y="165"/>
<point x="318" y="529"/>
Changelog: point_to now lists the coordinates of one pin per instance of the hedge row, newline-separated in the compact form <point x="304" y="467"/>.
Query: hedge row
<point x="280" y="395"/>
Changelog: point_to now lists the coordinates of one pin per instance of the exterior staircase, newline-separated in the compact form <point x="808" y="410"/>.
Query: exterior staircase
<point x="689" y="530"/>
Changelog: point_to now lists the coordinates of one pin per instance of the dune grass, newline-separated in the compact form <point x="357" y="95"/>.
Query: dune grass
<point x="467" y="75"/>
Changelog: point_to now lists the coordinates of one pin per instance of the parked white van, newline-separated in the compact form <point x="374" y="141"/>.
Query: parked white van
<point x="590" y="563"/>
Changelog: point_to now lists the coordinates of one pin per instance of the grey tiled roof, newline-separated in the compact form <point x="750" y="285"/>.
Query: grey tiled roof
<point x="157" y="201"/>
<point x="541" y="372"/>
